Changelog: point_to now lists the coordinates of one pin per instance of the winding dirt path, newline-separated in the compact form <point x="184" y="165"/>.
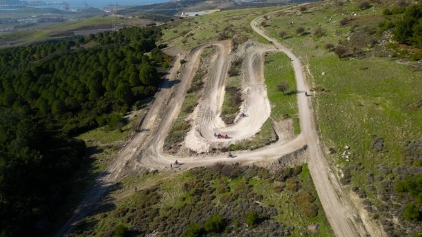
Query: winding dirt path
<point x="256" y="106"/>
<point x="145" y="149"/>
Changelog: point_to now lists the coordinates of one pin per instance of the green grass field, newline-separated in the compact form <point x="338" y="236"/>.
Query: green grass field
<point x="368" y="96"/>
<point x="278" y="69"/>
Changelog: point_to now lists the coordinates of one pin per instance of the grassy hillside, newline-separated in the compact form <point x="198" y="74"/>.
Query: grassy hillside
<point x="191" y="32"/>
<point x="366" y="101"/>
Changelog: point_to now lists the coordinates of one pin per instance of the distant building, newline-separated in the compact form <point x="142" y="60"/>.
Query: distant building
<point x="184" y="14"/>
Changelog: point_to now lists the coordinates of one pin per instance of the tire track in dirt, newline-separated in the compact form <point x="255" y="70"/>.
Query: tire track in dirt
<point x="145" y="149"/>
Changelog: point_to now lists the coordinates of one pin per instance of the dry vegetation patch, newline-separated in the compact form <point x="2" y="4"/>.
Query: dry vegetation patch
<point x="227" y="200"/>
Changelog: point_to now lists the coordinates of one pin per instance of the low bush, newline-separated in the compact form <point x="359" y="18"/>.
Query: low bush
<point x="121" y="231"/>
<point x="364" y="5"/>
<point x="412" y="184"/>
<point x="412" y="213"/>
<point x="305" y="202"/>
<point x="252" y="219"/>
<point x="340" y="51"/>
<point x="214" y="224"/>
<point x="194" y="230"/>
<point x="300" y="30"/>
<point x="319" y="32"/>
<point x="344" y="21"/>
<point x="297" y="170"/>
<point x="310" y="211"/>
<point x="292" y="185"/>
<point x="283" y="87"/>
<point x="329" y="46"/>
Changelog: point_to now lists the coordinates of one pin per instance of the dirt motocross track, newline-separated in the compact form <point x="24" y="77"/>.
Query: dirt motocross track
<point x="145" y="149"/>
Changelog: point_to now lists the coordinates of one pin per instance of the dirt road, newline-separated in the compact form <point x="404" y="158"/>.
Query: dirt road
<point x="152" y="155"/>
<point x="256" y="106"/>
<point x="339" y="211"/>
<point x="145" y="149"/>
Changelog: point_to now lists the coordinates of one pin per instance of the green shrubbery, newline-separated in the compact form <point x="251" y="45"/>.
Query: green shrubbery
<point x="194" y="230"/>
<point x="411" y="212"/>
<point x="252" y="219"/>
<point x="408" y="30"/>
<point x="412" y="184"/>
<point x="110" y="120"/>
<point x="305" y="202"/>
<point x="121" y="231"/>
<point x="214" y="224"/>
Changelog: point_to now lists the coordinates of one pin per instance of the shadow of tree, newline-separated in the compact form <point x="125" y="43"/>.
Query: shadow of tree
<point x="292" y="92"/>
<point x="168" y="84"/>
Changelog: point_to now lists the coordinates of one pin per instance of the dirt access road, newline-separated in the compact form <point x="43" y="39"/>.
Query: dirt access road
<point x="145" y="149"/>
<point x="340" y="213"/>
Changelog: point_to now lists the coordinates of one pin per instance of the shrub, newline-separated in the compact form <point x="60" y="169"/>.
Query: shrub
<point x="194" y="230"/>
<point x="300" y="30"/>
<point x="305" y="198"/>
<point x="407" y="29"/>
<point x="398" y="10"/>
<point x="182" y="61"/>
<point x="292" y="185"/>
<point x="387" y="12"/>
<point x="340" y="51"/>
<point x="297" y="170"/>
<point x="214" y="224"/>
<point x="283" y="86"/>
<point x="121" y="231"/>
<point x="310" y="211"/>
<point x="344" y="21"/>
<point x="252" y="219"/>
<point x="233" y="72"/>
<point x="329" y="46"/>
<point x="282" y="34"/>
<point x="411" y="184"/>
<point x="319" y="32"/>
<point x="364" y="5"/>
<point x="411" y="212"/>
<point x="306" y="205"/>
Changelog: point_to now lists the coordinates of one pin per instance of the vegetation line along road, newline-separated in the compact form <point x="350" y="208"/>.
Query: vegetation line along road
<point x="339" y="211"/>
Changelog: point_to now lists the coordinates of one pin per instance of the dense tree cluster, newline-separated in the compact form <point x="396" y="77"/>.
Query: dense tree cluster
<point x="77" y="84"/>
<point x="56" y="89"/>
<point x="36" y="161"/>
